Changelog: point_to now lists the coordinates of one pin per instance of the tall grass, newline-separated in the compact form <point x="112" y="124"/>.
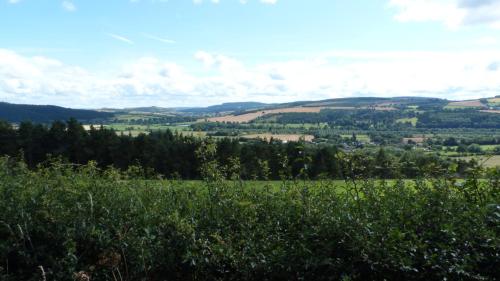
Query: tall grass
<point x="62" y="223"/>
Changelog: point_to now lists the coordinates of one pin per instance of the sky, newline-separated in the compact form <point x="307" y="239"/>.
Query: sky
<point x="183" y="53"/>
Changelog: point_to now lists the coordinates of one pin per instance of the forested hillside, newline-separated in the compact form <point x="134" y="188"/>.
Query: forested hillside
<point x="46" y="113"/>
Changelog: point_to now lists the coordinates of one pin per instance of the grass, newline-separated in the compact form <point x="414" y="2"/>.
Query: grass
<point x="413" y="121"/>
<point x="282" y="137"/>
<point x="487" y="161"/>
<point x="465" y="104"/>
<point x="452" y="107"/>
<point x="129" y="117"/>
<point x="489" y="148"/>
<point x="267" y="123"/>
<point x="360" y="137"/>
<point x="135" y="130"/>
<point x="494" y="101"/>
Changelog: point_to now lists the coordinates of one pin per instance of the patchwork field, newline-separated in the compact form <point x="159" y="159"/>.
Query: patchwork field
<point x="413" y="121"/>
<point x="415" y="139"/>
<point x="486" y="161"/>
<point x="248" y="117"/>
<point x="491" y="111"/>
<point x="359" y="137"/>
<point x="381" y="108"/>
<point x="281" y="137"/>
<point x="465" y="104"/>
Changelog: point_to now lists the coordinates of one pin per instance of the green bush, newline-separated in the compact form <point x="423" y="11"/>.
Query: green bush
<point x="61" y="222"/>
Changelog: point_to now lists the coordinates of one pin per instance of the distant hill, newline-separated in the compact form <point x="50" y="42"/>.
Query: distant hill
<point x="369" y="101"/>
<point x="46" y="113"/>
<point x="226" y="107"/>
<point x="245" y="107"/>
<point x="149" y="109"/>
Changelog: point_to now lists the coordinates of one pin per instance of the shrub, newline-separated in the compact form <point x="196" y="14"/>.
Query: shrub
<point x="89" y="224"/>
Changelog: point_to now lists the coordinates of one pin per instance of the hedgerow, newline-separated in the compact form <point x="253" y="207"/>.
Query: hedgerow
<point x="59" y="222"/>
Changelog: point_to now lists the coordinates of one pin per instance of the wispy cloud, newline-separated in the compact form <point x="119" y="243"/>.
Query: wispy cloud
<point x="69" y="6"/>
<point x="452" y="13"/>
<point x="14" y="1"/>
<point x="121" y="38"/>
<point x="160" y="39"/>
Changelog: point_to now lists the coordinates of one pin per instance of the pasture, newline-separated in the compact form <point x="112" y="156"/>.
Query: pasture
<point x="413" y="121"/>
<point x="491" y="111"/>
<point x="248" y="117"/>
<point x="281" y="137"/>
<point x="465" y="104"/>
<point x="494" y="100"/>
<point x="486" y="161"/>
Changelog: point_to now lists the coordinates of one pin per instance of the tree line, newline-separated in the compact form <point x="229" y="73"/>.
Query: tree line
<point x="173" y="155"/>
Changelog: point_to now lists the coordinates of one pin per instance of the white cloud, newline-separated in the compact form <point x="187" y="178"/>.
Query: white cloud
<point x="152" y="81"/>
<point x="69" y="6"/>
<point x="487" y="41"/>
<point x="159" y="39"/>
<point x="14" y="1"/>
<point x="452" y="13"/>
<point x="121" y="38"/>
<point x="269" y="1"/>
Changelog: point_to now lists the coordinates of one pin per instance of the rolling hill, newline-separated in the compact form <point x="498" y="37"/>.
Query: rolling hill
<point x="46" y="113"/>
<point x="227" y="107"/>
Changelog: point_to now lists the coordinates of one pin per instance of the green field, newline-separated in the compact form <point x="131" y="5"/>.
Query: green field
<point x="360" y="137"/>
<point x="135" y="130"/>
<point x="413" y="121"/>
<point x="486" y="161"/>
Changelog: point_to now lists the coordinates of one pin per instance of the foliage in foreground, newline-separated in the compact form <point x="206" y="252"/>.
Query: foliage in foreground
<point x="59" y="223"/>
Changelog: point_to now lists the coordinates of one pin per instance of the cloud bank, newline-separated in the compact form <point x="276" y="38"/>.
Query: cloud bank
<point x="452" y="13"/>
<point x="152" y="81"/>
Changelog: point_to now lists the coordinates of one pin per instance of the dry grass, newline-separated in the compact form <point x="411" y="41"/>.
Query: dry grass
<point x="88" y="127"/>
<point x="248" y="117"/>
<point x="494" y="100"/>
<point x="486" y="161"/>
<point x="468" y="103"/>
<point x="384" y="108"/>
<point x="415" y="139"/>
<point x="491" y="111"/>
<point x="284" y="138"/>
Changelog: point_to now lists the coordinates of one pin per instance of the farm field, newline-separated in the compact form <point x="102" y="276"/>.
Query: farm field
<point x="494" y="100"/>
<point x="359" y="137"/>
<point x="248" y="117"/>
<point x="123" y="127"/>
<point x="487" y="161"/>
<point x="249" y="140"/>
<point x="211" y="197"/>
<point x="491" y="111"/>
<point x="245" y="118"/>
<point x="465" y="104"/>
<point x="281" y="137"/>
<point x="413" y="121"/>
<point x="415" y="139"/>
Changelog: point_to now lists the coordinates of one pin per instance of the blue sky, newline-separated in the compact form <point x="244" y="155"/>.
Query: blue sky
<point x="119" y="53"/>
